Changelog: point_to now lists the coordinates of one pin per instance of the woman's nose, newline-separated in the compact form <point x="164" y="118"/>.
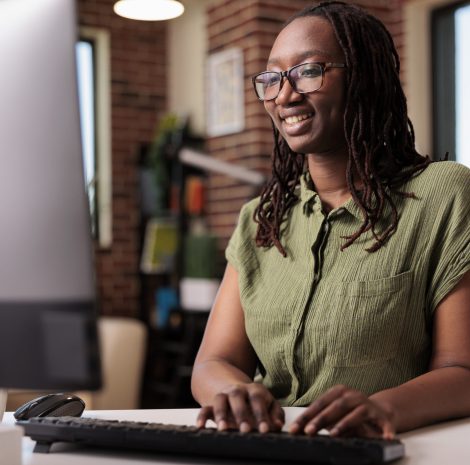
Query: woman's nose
<point x="287" y="94"/>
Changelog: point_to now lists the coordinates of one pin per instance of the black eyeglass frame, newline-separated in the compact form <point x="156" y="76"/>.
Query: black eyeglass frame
<point x="286" y="74"/>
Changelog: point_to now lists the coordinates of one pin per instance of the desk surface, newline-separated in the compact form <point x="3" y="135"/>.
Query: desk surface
<point x="446" y="443"/>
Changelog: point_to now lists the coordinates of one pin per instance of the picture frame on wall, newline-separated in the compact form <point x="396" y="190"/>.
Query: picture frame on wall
<point x="225" y="93"/>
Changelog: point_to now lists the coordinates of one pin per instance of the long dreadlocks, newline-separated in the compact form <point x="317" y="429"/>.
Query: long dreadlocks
<point x="379" y="134"/>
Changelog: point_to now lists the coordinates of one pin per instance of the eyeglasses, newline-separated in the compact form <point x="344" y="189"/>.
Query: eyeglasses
<point x="304" y="78"/>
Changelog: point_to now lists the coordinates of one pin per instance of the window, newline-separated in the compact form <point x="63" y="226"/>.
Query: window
<point x="451" y="74"/>
<point x="86" y="93"/>
<point x="93" y="68"/>
<point x="462" y="68"/>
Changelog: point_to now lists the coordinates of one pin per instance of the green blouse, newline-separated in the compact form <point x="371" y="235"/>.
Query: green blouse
<point x="322" y="316"/>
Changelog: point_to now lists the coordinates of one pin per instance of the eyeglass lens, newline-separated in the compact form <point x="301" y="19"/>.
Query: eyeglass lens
<point x="307" y="77"/>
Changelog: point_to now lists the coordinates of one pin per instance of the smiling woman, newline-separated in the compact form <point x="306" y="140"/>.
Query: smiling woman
<point x="347" y="288"/>
<point x="308" y="111"/>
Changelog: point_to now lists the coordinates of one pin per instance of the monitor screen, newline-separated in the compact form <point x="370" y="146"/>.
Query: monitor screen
<point x="48" y="335"/>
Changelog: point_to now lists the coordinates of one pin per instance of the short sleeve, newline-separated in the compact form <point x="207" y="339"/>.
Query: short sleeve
<point x="242" y="241"/>
<point x="451" y="257"/>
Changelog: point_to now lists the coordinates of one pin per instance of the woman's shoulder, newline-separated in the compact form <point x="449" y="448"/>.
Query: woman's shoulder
<point x="445" y="172"/>
<point x="247" y="211"/>
<point x="445" y="179"/>
<point x="245" y="227"/>
<point x="250" y="205"/>
<point x="240" y="251"/>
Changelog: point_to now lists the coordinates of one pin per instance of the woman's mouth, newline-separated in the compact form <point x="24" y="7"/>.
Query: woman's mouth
<point x="297" y="118"/>
<point x="297" y="124"/>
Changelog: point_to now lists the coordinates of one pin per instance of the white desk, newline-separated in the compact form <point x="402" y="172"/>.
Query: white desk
<point x="444" y="444"/>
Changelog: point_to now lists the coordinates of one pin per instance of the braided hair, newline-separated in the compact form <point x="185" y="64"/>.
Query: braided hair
<point x="379" y="134"/>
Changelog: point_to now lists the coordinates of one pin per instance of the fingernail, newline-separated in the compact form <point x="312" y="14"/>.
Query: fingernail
<point x="222" y="425"/>
<point x="263" y="427"/>
<point x="244" y="427"/>
<point x="310" y="429"/>
<point x="294" y="428"/>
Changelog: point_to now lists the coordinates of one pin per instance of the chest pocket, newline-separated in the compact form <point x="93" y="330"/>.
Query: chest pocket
<point x="367" y="322"/>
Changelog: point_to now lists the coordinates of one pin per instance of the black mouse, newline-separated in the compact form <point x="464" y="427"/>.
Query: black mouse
<point x="51" y="405"/>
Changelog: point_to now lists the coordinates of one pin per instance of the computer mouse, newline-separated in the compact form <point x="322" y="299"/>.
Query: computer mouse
<point x="51" y="405"/>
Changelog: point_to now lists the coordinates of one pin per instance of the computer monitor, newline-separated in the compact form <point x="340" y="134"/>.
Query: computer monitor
<point x="48" y="333"/>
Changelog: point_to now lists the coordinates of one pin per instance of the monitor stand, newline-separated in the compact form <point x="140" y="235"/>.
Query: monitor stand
<point x="3" y="402"/>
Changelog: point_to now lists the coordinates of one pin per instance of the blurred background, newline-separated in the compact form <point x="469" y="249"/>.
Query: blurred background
<point x="175" y="142"/>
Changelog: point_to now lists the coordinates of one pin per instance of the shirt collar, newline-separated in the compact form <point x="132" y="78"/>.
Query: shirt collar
<point x="311" y="201"/>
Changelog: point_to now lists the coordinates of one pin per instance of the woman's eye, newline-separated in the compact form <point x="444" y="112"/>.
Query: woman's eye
<point x="310" y="71"/>
<point x="272" y="80"/>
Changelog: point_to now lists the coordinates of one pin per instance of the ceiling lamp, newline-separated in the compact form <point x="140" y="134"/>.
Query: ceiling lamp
<point x="149" y="10"/>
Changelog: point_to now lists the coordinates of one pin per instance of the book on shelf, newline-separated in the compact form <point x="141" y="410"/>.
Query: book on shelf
<point x="160" y="246"/>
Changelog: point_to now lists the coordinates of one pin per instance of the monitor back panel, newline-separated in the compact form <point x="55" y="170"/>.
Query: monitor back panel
<point x="47" y="291"/>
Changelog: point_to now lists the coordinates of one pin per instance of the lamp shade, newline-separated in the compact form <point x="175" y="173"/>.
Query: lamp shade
<point x="149" y="10"/>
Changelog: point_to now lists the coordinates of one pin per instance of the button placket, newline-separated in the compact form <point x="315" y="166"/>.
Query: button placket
<point x="321" y="238"/>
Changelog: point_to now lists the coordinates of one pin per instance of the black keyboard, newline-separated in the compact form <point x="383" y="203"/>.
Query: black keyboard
<point x="189" y="440"/>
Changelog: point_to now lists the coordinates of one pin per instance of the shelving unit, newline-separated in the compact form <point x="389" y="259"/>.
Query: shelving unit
<point x="172" y="347"/>
<point x="170" y="360"/>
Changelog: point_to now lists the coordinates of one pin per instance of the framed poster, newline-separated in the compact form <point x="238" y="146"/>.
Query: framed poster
<point x="225" y="93"/>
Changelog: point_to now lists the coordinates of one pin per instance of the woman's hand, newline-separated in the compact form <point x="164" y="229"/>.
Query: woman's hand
<point x="245" y="407"/>
<point x="346" y="412"/>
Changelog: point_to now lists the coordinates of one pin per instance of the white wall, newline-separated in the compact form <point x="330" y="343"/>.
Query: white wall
<point x="187" y="50"/>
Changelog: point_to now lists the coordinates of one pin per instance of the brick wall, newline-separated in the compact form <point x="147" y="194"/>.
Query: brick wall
<point x="253" y="25"/>
<point x="138" y="63"/>
<point x="138" y="88"/>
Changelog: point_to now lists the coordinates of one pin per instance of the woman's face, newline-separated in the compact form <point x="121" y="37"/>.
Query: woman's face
<point x="310" y="123"/>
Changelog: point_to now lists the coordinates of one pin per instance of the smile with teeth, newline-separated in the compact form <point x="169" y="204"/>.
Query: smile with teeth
<point x="297" y="118"/>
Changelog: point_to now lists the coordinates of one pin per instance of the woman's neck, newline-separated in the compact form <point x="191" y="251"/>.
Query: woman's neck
<point x="328" y="173"/>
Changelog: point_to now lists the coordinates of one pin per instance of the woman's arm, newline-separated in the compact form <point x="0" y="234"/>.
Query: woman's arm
<point x="222" y="380"/>
<point x="225" y="356"/>
<point x="440" y="394"/>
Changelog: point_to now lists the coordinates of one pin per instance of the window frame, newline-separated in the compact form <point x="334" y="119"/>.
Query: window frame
<point x="444" y="79"/>
<point x="418" y="82"/>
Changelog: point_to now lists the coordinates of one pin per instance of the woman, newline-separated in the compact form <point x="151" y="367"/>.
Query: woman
<point x="348" y="293"/>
